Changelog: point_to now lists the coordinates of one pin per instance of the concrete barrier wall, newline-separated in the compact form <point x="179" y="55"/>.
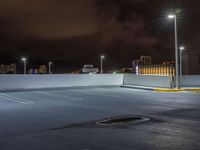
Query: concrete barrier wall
<point x="9" y="82"/>
<point x="190" y="81"/>
<point x="12" y="82"/>
<point x="148" y="80"/>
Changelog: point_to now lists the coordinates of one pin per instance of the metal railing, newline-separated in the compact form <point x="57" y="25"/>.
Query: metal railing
<point x="157" y="69"/>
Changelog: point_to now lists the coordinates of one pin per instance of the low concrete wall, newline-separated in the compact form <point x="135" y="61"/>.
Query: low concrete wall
<point x="13" y="82"/>
<point x="148" y="80"/>
<point x="190" y="81"/>
<point x="9" y="82"/>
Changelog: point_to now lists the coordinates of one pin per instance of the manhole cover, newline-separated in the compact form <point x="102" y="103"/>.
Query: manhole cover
<point x="121" y="120"/>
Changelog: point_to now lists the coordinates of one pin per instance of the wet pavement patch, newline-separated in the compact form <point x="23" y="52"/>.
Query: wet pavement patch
<point x="118" y="121"/>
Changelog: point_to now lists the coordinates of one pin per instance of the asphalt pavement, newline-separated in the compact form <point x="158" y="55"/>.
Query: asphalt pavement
<point x="67" y="119"/>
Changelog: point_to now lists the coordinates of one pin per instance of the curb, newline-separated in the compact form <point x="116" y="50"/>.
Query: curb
<point x="162" y="89"/>
<point x="168" y="90"/>
<point x="192" y="89"/>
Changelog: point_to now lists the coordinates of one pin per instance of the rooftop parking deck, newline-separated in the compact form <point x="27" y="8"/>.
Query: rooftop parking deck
<point x="65" y="119"/>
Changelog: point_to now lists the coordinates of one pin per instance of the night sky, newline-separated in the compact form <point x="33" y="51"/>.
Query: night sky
<point x="76" y="32"/>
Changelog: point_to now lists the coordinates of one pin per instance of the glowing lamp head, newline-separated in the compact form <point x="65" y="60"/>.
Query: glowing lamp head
<point x="182" y="48"/>
<point x="102" y="57"/>
<point x="50" y="63"/>
<point x="171" y="16"/>
<point x="23" y="59"/>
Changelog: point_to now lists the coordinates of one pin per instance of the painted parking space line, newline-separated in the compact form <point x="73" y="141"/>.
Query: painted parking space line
<point x="57" y="96"/>
<point x="15" y="99"/>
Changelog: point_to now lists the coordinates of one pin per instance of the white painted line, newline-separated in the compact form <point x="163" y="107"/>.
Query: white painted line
<point x="56" y="95"/>
<point x="15" y="99"/>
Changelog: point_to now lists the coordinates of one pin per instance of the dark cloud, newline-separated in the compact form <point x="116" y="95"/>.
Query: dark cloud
<point x="49" y="19"/>
<point x="131" y="31"/>
<point x="58" y="19"/>
<point x="75" y="30"/>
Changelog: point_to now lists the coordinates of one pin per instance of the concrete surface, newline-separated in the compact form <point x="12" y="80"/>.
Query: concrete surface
<point x="181" y="89"/>
<point x="10" y="82"/>
<point x="148" y="80"/>
<point x="18" y="82"/>
<point x="190" y="81"/>
<point x="61" y="120"/>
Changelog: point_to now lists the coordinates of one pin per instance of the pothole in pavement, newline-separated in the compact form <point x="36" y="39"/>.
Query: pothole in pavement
<point x="122" y="120"/>
<point x="107" y="122"/>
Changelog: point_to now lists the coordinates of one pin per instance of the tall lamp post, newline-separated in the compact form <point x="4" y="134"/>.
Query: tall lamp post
<point x="173" y="16"/>
<point x="50" y="63"/>
<point x="102" y="57"/>
<point x="181" y="49"/>
<point x="24" y="60"/>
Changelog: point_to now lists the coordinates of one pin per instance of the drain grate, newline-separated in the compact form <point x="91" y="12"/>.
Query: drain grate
<point x="122" y="120"/>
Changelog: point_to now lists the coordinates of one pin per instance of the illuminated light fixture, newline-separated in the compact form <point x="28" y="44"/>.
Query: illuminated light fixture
<point x="182" y="48"/>
<point x="171" y="16"/>
<point x="102" y="56"/>
<point x="23" y="59"/>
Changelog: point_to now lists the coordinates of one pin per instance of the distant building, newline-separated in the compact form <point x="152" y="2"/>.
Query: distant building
<point x="76" y="71"/>
<point x="144" y="66"/>
<point x="89" y="69"/>
<point x="8" y="69"/>
<point x="169" y="63"/>
<point x="42" y="69"/>
<point x="125" y="70"/>
<point x="144" y="60"/>
<point x="33" y="71"/>
<point x="191" y="63"/>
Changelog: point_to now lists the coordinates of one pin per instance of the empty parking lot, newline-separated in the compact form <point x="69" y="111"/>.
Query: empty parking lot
<point x="67" y="119"/>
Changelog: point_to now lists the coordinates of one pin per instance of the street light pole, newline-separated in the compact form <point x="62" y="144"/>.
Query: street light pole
<point x="102" y="57"/>
<point x="24" y="60"/>
<point x="50" y="63"/>
<point x="181" y="49"/>
<point x="176" y="48"/>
